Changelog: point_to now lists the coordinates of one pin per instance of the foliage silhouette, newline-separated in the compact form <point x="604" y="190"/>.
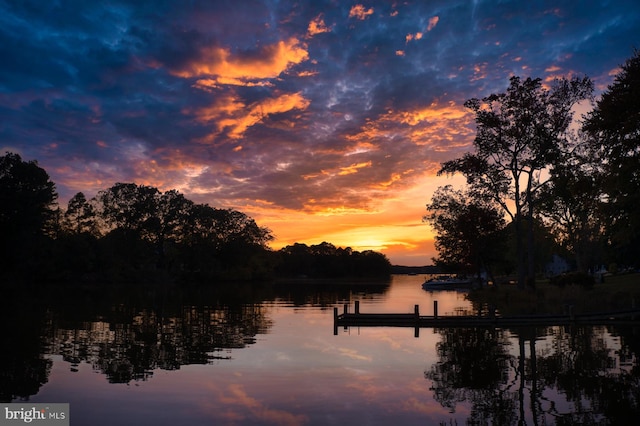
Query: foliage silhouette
<point x="131" y="233"/>
<point x="508" y="387"/>
<point x="613" y="128"/>
<point x="470" y="232"/>
<point x="519" y="134"/>
<point x="324" y="260"/>
<point x="27" y="215"/>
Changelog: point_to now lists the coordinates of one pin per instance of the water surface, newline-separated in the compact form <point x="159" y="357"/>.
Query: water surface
<point x="167" y="358"/>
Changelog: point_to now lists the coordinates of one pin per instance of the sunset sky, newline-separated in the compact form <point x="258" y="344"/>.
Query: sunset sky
<point x="322" y="120"/>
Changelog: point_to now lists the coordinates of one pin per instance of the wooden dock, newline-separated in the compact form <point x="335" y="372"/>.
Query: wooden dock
<point x="417" y="321"/>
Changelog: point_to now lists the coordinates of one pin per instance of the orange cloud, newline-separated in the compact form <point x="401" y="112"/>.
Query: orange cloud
<point x="317" y="26"/>
<point x="416" y="36"/>
<point x="614" y="72"/>
<point x="307" y="73"/>
<point x="479" y="71"/>
<point x="359" y="12"/>
<point x="433" y="21"/>
<point x="230" y="112"/>
<point x="224" y="105"/>
<point x="212" y="83"/>
<point x="394" y="178"/>
<point x="433" y="113"/>
<point x="238" y="123"/>
<point x="353" y="168"/>
<point x="444" y="127"/>
<point x="221" y="67"/>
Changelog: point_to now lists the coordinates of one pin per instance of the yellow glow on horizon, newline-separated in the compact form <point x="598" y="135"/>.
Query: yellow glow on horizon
<point x="392" y="226"/>
<point x="338" y="211"/>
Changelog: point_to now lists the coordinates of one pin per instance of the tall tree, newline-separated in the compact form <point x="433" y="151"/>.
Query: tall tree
<point x="519" y="134"/>
<point x="80" y="216"/>
<point x="614" y="130"/>
<point x="468" y="230"/>
<point x="130" y="207"/>
<point x="570" y="206"/>
<point x="27" y="201"/>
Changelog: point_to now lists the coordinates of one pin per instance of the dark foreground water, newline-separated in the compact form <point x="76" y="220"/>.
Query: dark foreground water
<point x="174" y="358"/>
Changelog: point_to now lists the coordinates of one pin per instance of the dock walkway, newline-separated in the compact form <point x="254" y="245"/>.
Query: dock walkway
<point x="415" y="320"/>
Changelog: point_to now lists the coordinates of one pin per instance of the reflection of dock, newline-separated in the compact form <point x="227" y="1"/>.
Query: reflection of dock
<point x="417" y="321"/>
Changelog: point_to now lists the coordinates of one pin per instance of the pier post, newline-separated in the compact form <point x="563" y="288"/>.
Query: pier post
<point x="416" y="311"/>
<point x="357" y="307"/>
<point x="335" y="320"/>
<point x="346" y="309"/>
<point x="571" y="312"/>
<point x="435" y="309"/>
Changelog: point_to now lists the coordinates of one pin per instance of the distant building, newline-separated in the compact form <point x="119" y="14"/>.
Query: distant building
<point x="557" y="266"/>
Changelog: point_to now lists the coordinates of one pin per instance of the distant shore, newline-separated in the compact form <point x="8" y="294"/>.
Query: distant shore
<point x="617" y="292"/>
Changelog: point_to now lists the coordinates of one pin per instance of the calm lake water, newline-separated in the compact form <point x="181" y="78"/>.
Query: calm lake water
<point x="170" y="358"/>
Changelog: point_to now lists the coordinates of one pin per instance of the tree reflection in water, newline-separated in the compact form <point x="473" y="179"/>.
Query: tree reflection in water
<point x="118" y="335"/>
<point x="23" y="368"/>
<point x="127" y="332"/>
<point x="474" y="367"/>
<point x="558" y="375"/>
<point x="554" y="375"/>
<point x="133" y="343"/>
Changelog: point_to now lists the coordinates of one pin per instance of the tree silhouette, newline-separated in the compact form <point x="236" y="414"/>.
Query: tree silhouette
<point x="519" y="134"/>
<point x="325" y="260"/>
<point x="27" y="202"/>
<point x="132" y="233"/>
<point x="571" y="207"/>
<point x="469" y="231"/>
<point x="80" y="216"/>
<point x="614" y="130"/>
<point x="576" y="378"/>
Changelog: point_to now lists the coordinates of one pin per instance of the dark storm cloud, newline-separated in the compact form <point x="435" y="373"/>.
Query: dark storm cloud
<point x="301" y="105"/>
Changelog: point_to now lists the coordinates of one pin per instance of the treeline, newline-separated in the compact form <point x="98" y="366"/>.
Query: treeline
<point x="327" y="261"/>
<point x="133" y="233"/>
<point x="540" y="183"/>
